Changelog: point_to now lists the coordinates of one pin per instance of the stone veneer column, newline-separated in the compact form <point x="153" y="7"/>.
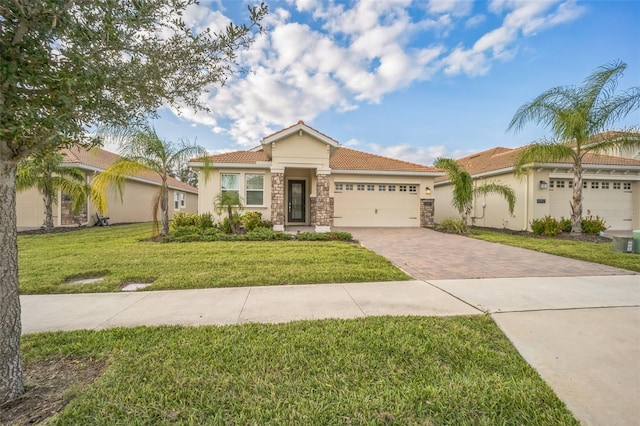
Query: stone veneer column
<point x="323" y="205"/>
<point x="277" y="200"/>
<point x="427" y="209"/>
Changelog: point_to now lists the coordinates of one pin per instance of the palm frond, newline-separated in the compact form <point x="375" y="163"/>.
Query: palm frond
<point x="541" y="152"/>
<point x="113" y="177"/>
<point x="605" y="114"/>
<point x="619" y="139"/>
<point x="495" y="188"/>
<point x="544" y="110"/>
<point x="602" y="82"/>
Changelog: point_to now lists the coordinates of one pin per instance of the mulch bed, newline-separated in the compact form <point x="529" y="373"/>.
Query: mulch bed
<point x="561" y="236"/>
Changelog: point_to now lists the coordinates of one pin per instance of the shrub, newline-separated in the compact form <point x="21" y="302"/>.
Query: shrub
<point x="266" y="234"/>
<point x="565" y="224"/>
<point x="253" y="220"/>
<point x="184" y="219"/>
<point x="205" y="221"/>
<point x="324" y="236"/>
<point x="452" y="226"/>
<point x="593" y="225"/>
<point x="546" y="226"/>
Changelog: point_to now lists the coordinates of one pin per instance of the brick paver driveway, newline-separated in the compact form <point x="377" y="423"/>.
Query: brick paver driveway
<point x="428" y="255"/>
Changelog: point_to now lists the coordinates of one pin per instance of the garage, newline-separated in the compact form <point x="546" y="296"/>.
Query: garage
<point x="609" y="199"/>
<point x="376" y="204"/>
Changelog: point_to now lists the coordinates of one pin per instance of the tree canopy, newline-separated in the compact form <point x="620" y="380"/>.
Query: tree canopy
<point x="580" y="119"/>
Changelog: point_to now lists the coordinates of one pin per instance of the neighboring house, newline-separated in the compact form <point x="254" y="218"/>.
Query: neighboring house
<point x="301" y="177"/>
<point x="611" y="190"/>
<point x="135" y="205"/>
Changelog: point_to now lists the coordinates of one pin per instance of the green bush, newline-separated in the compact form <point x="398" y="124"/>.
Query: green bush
<point x="548" y="226"/>
<point x="452" y="226"/>
<point x="593" y="225"/>
<point x="565" y="224"/>
<point x="205" y="221"/>
<point x="324" y="236"/>
<point x="266" y="234"/>
<point x="181" y="220"/>
<point x="253" y="220"/>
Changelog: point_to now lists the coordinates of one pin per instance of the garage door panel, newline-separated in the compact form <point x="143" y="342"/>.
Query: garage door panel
<point x="376" y="208"/>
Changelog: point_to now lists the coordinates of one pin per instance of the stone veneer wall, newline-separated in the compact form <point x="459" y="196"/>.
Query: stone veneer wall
<point x="312" y="211"/>
<point x="323" y="208"/>
<point x="427" y="209"/>
<point x="277" y="198"/>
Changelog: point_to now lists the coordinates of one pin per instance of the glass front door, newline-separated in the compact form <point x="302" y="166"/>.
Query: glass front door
<point x="297" y="200"/>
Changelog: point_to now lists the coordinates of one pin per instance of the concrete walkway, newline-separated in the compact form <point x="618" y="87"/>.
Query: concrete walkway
<point x="582" y="334"/>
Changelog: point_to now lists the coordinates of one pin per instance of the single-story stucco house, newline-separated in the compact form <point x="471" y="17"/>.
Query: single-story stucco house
<point x="299" y="176"/>
<point x="135" y="205"/>
<point x="611" y="190"/>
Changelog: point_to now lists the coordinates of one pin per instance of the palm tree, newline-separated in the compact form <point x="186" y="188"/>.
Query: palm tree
<point x="229" y="201"/>
<point x="578" y="118"/>
<point x="464" y="192"/>
<point x="142" y="150"/>
<point x="44" y="172"/>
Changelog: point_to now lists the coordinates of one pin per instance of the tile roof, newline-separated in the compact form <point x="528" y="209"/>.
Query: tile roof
<point x="342" y="159"/>
<point x="504" y="158"/>
<point x="96" y="158"/>
<point x="350" y="159"/>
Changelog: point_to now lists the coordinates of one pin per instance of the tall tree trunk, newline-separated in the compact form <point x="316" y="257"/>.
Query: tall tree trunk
<point x="11" y="384"/>
<point x="164" y="208"/>
<point x="48" y="211"/>
<point x="576" y="201"/>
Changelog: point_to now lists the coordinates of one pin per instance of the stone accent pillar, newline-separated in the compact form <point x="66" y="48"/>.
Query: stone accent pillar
<point x="324" y="204"/>
<point x="427" y="209"/>
<point x="312" y="210"/>
<point x="277" y="200"/>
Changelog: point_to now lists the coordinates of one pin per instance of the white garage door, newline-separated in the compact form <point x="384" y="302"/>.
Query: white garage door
<point x="376" y="205"/>
<point x="611" y="200"/>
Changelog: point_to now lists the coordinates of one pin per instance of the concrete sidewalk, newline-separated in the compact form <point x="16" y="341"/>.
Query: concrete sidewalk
<point x="582" y="334"/>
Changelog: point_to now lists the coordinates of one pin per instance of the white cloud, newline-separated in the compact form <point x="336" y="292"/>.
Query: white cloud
<point x="346" y="54"/>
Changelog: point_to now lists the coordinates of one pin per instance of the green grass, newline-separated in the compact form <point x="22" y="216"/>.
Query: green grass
<point x="46" y="262"/>
<point x="372" y="371"/>
<point x="591" y="252"/>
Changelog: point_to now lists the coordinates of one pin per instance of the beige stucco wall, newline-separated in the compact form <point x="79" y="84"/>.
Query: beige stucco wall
<point x="620" y="209"/>
<point x="300" y="150"/>
<point x="30" y="208"/>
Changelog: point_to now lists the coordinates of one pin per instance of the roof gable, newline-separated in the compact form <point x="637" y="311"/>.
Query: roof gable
<point x="300" y="126"/>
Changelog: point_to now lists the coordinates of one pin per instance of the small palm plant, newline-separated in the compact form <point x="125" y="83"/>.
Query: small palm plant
<point x="44" y="171"/>
<point x="141" y="151"/>
<point x="464" y="192"/>
<point x="231" y="203"/>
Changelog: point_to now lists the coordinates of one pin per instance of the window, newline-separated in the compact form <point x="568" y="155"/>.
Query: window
<point x="360" y="187"/>
<point x="570" y="185"/>
<point x="230" y="183"/>
<point x="182" y="200"/>
<point x="584" y="184"/>
<point x="595" y="185"/>
<point x="616" y="185"/>
<point x="605" y="185"/>
<point x="392" y="188"/>
<point x="382" y="187"/>
<point x="413" y="188"/>
<point x="559" y="184"/>
<point x="349" y="187"/>
<point x="552" y="183"/>
<point x="176" y="202"/>
<point x="626" y="186"/>
<point x="402" y="188"/>
<point x="254" y="190"/>
<point x="338" y="187"/>
<point x="371" y="187"/>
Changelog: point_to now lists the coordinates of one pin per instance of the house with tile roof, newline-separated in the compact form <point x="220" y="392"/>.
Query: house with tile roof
<point x="135" y="205"/>
<point x="299" y="176"/>
<point x="610" y="189"/>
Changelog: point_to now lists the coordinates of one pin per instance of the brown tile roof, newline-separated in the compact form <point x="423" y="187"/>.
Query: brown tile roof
<point x="350" y="159"/>
<point x="241" y="157"/>
<point x="342" y="159"/>
<point x="503" y="158"/>
<point x="96" y="158"/>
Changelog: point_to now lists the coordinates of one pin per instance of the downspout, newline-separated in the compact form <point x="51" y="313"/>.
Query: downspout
<point x="525" y="225"/>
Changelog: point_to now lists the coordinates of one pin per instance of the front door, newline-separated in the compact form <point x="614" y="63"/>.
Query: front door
<point x="297" y="201"/>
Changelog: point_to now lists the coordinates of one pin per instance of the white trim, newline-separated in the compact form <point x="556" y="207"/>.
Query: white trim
<point x="294" y="129"/>
<point x="278" y="228"/>
<point x="264" y="165"/>
<point x="322" y="228"/>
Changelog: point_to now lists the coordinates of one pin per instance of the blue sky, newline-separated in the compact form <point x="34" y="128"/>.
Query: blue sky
<point x="410" y="80"/>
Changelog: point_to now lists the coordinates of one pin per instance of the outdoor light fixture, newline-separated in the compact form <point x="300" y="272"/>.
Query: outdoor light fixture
<point x="427" y="190"/>
<point x="543" y="185"/>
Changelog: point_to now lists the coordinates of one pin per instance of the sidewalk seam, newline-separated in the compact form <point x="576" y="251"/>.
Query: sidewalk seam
<point x="581" y="308"/>
<point x="243" y="305"/>
<point x="98" y="327"/>
<point x="484" y="311"/>
<point x="354" y="300"/>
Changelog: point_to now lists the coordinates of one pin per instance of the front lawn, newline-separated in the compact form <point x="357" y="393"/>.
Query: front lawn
<point x="582" y="250"/>
<point x="372" y="371"/>
<point x="48" y="262"/>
